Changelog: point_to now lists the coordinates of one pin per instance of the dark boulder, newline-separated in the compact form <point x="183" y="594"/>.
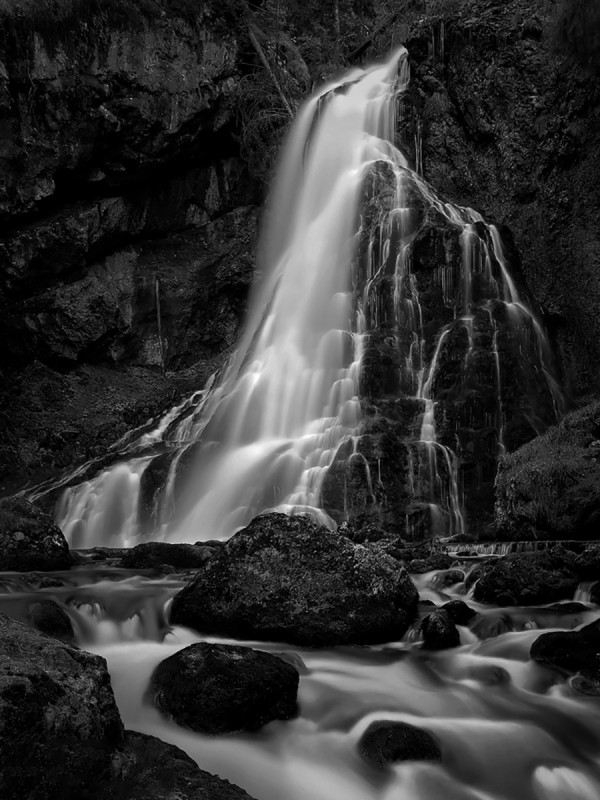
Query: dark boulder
<point x="439" y="631"/>
<point x="550" y="487"/>
<point x="289" y="579"/>
<point x="570" y="651"/>
<point x="155" y="770"/>
<point x="218" y="688"/>
<point x="58" y="717"/>
<point x="387" y="742"/>
<point x="587" y="564"/>
<point x="528" y="579"/>
<point x="29" y="538"/>
<point x="165" y="557"/>
<point x="459" y="612"/>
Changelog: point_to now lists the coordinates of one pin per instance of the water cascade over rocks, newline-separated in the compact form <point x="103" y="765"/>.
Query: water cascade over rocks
<point x="390" y="356"/>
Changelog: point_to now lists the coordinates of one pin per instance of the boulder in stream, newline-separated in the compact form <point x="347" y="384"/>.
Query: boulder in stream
<point x="288" y="579"/>
<point x="29" y="538"/>
<point x="166" y="557"/>
<point x="459" y="612"/>
<point x="219" y="688"/>
<point x="570" y="651"/>
<point x="439" y="631"/>
<point x="528" y="578"/>
<point x="387" y="742"/>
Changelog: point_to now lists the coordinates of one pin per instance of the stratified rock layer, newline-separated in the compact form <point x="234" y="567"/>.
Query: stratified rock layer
<point x="286" y="578"/>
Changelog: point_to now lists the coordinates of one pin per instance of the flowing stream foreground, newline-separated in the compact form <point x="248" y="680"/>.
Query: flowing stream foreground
<point x="287" y="414"/>
<point x="509" y="729"/>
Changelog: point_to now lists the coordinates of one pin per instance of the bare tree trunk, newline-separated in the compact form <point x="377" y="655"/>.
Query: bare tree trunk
<point x="267" y="66"/>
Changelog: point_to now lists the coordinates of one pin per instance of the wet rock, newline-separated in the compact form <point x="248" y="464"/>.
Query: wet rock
<point x="439" y="631"/>
<point x="459" y="612"/>
<point x="473" y="577"/>
<point x="286" y="578"/>
<point x="587" y="683"/>
<point x="490" y="625"/>
<point x="49" y="618"/>
<point x="433" y="561"/>
<point x="550" y="487"/>
<point x="386" y="742"/>
<point x="570" y="651"/>
<point x="216" y="689"/>
<point x="58" y="717"/>
<point x="29" y="538"/>
<point x="568" y="608"/>
<point x="527" y="579"/>
<point x="165" y="557"/>
<point x="155" y="770"/>
<point x="448" y="578"/>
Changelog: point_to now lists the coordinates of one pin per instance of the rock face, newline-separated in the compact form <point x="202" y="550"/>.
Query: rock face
<point x="386" y="742"/>
<point x="550" y="488"/>
<point x="123" y="200"/>
<point x="508" y="126"/>
<point x="286" y="578"/>
<point x="528" y="578"/>
<point x="216" y="689"/>
<point x="29" y="539"/>
<point x="58" y="718"/>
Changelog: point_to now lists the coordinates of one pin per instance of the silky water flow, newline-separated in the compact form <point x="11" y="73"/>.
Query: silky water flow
<point x="263" y="435"/>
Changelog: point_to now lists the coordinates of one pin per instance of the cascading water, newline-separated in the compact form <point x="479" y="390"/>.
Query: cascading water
<point x="342" y="282"/>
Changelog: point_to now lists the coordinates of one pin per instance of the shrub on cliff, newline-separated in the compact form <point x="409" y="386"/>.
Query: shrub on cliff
<point x="577" y="32"/>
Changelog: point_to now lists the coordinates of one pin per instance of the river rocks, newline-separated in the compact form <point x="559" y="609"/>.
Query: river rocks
<point x="435" y="560"/>
<point x="439" y="631"/>
<point x="387" y="742"/>
<point x="58" y="718"/>
<point x="570" y="651"/>
<point x="49" y="618"/>
<point x="459" y="612"/>
<point x="166" y="557"/>
<point x="286" y="578"/>
<point x="550" y="487"/>
<point x="29" y="538"/>
<point x="216" y="689"/>
<point x="527" y="579"/>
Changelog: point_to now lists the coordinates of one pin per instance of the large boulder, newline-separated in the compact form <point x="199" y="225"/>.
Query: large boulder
<point x="386" y="742"/>
<point x="528" y="578"/>
<point x="58" y="717"/>
<point x="289" y="579"/>
<point x="439" y="631"/>
<point x="29" y="538"/>
<point x="550" y="487"/>
<point x="218" y="688"/>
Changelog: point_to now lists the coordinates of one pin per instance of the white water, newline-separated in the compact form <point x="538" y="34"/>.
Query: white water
<point x="264" y="437"/>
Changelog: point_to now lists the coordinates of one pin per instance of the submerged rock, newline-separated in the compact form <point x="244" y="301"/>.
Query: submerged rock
<point x="386" y="742"/>
<point x="58" y="717"/>
<point x="550" y="487"/>
<point x="439" y="631"/>
<point x="527" y="579"/>
<point x="219" y="688"/>
<point x="163" y="556"/>
<point x="29" y="538"/>
<point x="49" y="618"/>
<point x="289" y="579"/>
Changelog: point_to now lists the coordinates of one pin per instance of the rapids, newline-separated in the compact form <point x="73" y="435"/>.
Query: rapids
<point x="509" y="729"/>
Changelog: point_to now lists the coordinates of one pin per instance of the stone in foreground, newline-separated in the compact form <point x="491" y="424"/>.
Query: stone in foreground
<point x="219" y="688"/>
<point x="58" y="717"/>
<point x="287" y="579"/>
<point x="29" y="539"/>
<point x="387" y="742"/>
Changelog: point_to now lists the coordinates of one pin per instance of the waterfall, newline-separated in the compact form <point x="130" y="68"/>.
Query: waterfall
<point x="288" y="424"/>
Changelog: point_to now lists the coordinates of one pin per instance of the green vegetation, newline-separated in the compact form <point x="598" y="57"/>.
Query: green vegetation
<point x="577" y="32"/>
